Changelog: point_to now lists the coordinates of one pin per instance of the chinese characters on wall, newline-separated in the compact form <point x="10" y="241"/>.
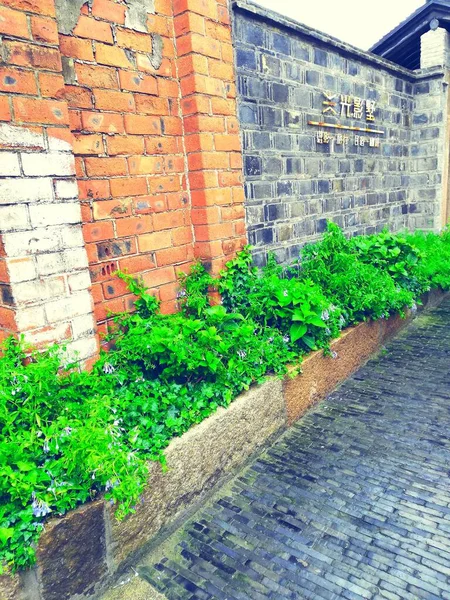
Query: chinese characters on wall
<point x="347" y="107"/>
<point x="324" y="137"/>
<point x="350" y="107"/>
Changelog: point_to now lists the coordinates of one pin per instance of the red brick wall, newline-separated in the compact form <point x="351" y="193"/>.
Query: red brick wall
<point x="206" y="71"/>
<point x="152" y="127"/>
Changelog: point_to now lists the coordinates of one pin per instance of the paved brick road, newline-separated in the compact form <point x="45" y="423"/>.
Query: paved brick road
<point x="354" y="502"/>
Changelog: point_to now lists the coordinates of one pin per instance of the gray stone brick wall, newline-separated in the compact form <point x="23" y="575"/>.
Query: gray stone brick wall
<point x="295" y="184"/>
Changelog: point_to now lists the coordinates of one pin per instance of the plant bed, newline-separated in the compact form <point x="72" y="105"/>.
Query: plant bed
<point x="96" y="439"/>
<point x="81" y="553"/>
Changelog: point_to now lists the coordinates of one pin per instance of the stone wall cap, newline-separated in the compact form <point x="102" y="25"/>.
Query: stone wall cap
<point x="335" y="43"/>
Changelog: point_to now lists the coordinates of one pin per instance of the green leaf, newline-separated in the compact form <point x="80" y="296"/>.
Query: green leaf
<point x="23" y="466"/>
<point x="317" y="321"/>
<point x="6" y="533"/>
<point x="297" y="331"/>
<point x="309" y="341"/>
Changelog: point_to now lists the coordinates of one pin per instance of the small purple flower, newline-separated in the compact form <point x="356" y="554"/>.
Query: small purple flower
<point x="40" y="508"/>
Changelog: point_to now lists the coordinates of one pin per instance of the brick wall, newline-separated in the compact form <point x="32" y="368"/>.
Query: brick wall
<point x="137" y="101"/>
<point x="213" y="147"/>
<point x="44" y="275"/>
<point x="293" y="184"/>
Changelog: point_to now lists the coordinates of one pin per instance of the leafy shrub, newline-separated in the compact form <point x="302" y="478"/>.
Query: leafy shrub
<point x="48" y="462"/>
<point x="194" y="290"/>
<point x="434" y="266"/>
<point x="297" y="308"/>
<point x="358" y="288"/>
<point x="392" y="254"/>
<point x="165" y="373"/>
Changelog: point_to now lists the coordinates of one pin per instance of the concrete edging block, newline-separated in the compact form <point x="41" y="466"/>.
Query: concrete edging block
<point x="198" y="460"/>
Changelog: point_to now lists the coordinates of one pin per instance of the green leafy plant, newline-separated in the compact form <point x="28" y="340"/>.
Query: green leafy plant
<point x="434" y="267"/>
<point x="66" y="437"/>
<point x="194" y="290"/>
<point x="393" y="254"/>
<point x="358" y="288"/>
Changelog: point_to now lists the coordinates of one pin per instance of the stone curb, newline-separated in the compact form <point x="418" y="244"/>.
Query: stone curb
<point x="80" y="554"/>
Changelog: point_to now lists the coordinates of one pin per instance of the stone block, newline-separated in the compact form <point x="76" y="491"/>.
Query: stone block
<point x="71" y="554"/>
<point x="321" y="374"/>
<point x="10" y="587"/>
<point x="197" y="461"/>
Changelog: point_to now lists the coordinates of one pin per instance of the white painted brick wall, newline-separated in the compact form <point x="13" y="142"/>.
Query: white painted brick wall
<point x="42" y="289"/>
<point x="31" y="318"/>
<point x="12" y="136"/>
<point x="42" y="215"/>
<point x="21" y="269"/>
<point x="71" y="236"/>
<point x="14" y="217"/>
<point x="9" y="164"/>
<point x="66" y="189"/>
<point x="81" y="350"/>
<point x="31" y="242"/>
<point x="48" y="163"/>
<point x="47" y="335"/>
<point x="434" y="48"/>
<point x="40" y="225"/>
<point x="79" y="281"/>
<point x="83" y="326"/>
<point x="64" y="309"/>
<point x="62" y="262"/>
<point x="26" y="190"/>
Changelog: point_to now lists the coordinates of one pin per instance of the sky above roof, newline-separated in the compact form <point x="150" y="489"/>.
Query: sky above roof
<point x="357" y="22"/>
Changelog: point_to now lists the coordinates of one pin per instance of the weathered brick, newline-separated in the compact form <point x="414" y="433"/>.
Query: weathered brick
<point x="109" y="11"/>
<point x="104" y="167"/>
<point x="95" y="76"/>
<point x="44" y="30"/>
<point x="114" y="101"/>
<point x="13" y="22"/>
<point x="102" y="122"/>
<point x="138" y="82"/>
<point x="30" y="110"/>
<point x="76" y="48"/>
<point x="90" y="28"/>
<point x="113" y="56"/>
<point x="17" y="81"/>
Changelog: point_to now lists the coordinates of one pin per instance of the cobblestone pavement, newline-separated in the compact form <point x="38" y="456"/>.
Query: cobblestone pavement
<point x="353" y="502"/>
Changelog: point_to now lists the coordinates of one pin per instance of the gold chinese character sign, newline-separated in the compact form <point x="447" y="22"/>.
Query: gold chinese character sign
<point x="350" y="107"/>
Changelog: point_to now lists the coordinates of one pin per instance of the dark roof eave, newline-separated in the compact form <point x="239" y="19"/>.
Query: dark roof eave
<point x="416" y="23"/>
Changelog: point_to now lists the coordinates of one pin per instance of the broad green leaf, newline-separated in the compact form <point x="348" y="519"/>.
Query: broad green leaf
<point x="297" y="331"/>
<point x="317" y="321"/>
<point x="309" y="341"/>
<point x="6" y="533"/>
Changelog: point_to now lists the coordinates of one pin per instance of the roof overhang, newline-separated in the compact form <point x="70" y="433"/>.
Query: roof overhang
<point x="402" y="44"/>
